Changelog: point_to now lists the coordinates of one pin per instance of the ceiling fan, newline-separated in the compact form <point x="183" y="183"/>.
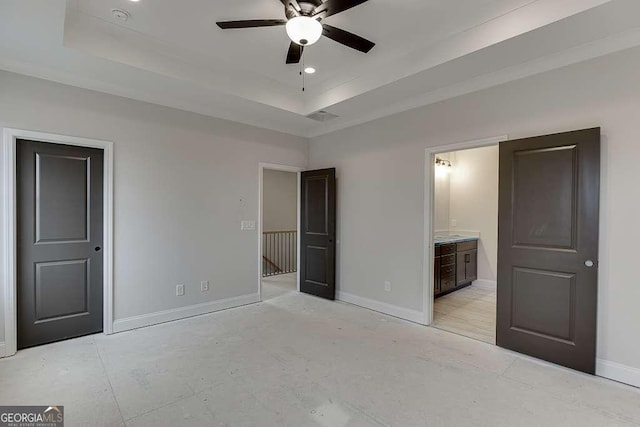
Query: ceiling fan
<point x="304" y="27"/>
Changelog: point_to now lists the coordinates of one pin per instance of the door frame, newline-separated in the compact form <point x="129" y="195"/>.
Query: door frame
<point x="285" y="168"/>
<point x="8" y="245"/>
<point x="429" y="198"/>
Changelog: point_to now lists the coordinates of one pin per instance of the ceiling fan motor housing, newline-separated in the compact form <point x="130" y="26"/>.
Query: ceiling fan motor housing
<point x="306" y="8"/>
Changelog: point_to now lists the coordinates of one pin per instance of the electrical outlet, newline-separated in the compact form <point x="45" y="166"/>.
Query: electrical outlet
<point x="454" y="222"/>
<point x="179" y="290"/>
<point x="387" y="286"/>
<point x="204" y="286"/>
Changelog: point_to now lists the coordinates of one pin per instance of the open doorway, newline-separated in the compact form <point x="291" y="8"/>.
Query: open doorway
<point x="465" y="240"/>
<point x="546" y="266"/>
<point x="279" y="231"/>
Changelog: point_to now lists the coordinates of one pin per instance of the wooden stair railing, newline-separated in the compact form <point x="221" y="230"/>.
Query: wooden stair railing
<point x="279" y="252"/>
<point x="272" y="264"/>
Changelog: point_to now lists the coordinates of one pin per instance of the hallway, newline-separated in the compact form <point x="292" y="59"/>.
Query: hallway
<point x="276" y="286"/>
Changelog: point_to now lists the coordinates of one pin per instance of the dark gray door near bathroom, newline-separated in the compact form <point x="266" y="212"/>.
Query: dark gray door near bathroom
<point x="548" y="247"/>
<point x="59" y="242"/>
<point x="318" y="233"/>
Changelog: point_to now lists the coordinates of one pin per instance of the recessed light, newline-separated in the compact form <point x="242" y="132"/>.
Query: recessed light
<point x="135" y="1"/>
<point x="309" y="70"/>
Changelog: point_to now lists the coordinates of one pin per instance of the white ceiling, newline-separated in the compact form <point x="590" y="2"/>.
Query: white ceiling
<point x="172" y="53"/>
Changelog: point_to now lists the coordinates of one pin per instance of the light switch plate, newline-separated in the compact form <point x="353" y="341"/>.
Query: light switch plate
<point x="204" y="286"/>
<point x="247" y="225"/>
<point x="179" y="290"/>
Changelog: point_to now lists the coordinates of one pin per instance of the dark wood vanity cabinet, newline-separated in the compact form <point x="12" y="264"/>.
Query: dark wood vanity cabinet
<point x="455" y="266"/>
<point x="444" y="268"/>
<point x="466" y="262"/>
<point x="436" y="273"/>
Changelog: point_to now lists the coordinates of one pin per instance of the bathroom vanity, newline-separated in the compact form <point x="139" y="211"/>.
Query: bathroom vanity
<point x="455" y="263"/>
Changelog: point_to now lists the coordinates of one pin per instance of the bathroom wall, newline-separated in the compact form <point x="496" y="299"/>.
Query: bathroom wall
<point x="442" y="198"/>
<point x="473" y="203"/>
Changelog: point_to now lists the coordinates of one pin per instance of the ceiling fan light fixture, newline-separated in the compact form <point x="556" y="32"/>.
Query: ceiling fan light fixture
<point x="305" y="26"/>
<point x="304" y="30"/>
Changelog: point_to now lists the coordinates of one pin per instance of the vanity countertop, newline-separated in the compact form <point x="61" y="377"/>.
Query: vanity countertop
<point x="453" y="238"/>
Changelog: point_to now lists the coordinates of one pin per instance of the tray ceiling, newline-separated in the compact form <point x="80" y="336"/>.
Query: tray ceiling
<point x="172" y="53"/>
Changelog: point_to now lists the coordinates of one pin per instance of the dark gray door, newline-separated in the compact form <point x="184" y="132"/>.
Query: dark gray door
<point x="318" y="233"/>
<point x="59" y="212"/>
<point x="548" y="247"/>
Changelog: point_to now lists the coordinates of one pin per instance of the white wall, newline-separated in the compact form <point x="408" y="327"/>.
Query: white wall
<point x="474" y="203"/>
<point x="380" y="168"/>
<point x="183" y="182"/>
<point x="279" y="200"/>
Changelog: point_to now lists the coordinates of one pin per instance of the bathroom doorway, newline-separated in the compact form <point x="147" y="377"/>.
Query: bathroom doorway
<point x="465" y="240"/>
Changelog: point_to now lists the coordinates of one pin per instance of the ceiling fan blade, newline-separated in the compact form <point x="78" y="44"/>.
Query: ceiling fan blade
<point x="251" y="23"/>
<point x="295" y="53"/>
<point x="331" y="7"/>
<point x="348" y="39"/>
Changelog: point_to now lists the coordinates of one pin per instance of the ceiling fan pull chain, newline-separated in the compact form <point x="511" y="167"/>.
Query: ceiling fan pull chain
<point x="302" y="70"/>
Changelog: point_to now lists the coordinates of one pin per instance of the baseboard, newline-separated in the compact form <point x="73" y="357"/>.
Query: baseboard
<point x="383" y="307"/>
<point x="144" y="320"/>
<point x="618" y="372"/>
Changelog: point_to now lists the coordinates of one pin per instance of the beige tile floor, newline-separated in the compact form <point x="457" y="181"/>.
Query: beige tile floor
<point x="470" y="312"/>
<point x="297" y="360"/>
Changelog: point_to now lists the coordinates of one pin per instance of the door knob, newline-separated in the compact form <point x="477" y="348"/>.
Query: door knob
<point x="97" y="248"/>
<point x="588" y="263"/>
